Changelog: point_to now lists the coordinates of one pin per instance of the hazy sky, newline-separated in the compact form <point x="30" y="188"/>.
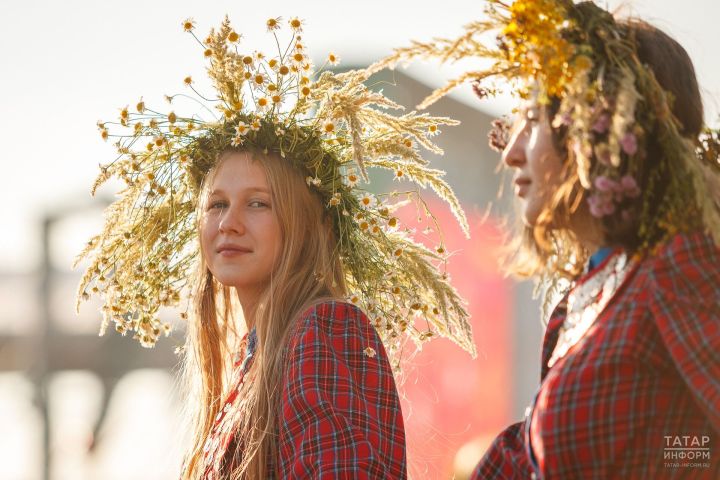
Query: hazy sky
<point x="66" y="65"/>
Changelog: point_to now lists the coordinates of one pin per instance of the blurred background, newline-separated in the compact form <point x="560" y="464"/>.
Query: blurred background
<point x="77" y="406"/>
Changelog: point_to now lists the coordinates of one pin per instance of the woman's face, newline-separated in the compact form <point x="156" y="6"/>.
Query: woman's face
<point x="239" y="231"/>
<point x="537" y="163"/>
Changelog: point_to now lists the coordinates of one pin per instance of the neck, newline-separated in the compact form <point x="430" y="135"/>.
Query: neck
<point x="248" y="301"/>
<point x="588" y="231"/>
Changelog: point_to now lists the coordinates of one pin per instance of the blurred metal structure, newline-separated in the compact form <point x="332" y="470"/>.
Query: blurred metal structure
<point x="50" y="350"/>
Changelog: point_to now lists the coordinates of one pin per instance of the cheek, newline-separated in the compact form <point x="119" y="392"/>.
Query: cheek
<point x="206" y="234"/>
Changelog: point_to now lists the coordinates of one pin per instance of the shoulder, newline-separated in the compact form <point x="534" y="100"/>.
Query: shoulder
<point x="333" y="321"/>
<point x="337" y="336"/>
<point x="686" y="266"/>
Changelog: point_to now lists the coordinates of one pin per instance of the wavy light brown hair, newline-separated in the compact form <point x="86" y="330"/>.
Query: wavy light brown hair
<point x="550" y="248"/>
<point x="307" y="271"/>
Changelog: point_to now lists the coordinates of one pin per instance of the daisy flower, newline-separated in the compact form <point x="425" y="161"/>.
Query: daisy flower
<point x="352" y="179"/>
<point x="188" y="24"/>
<point x="296" y="24"/>
<point x="367" y="200"/>
<point x="329" y="127"/>
<point x="241" y="128"/>
<point x="333" y="59"/>
<point x="273" y="23"/>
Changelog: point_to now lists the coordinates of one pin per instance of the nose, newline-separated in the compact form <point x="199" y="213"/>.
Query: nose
<point x="514" y="153"/>
<point x="231" y="221"/>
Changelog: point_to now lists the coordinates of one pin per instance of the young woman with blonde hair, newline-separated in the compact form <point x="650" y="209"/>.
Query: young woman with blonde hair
<point x="618" y="187"/>
<point x="267" y="205"/>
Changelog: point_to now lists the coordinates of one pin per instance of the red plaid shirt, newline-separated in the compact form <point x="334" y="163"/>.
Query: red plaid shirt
<point x="340" y="412"/>
<point x="639" y="390"/>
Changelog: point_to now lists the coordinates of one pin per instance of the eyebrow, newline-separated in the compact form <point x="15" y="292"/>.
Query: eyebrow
<point x="219" y="191"/>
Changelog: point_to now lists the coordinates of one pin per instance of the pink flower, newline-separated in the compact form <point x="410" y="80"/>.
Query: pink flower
<point x="604" y="184"/>
<point x="629" y="143"/>
<point x="629" y="186"/>
<point x="595" y="206"/>
<point x="602" y="123"/>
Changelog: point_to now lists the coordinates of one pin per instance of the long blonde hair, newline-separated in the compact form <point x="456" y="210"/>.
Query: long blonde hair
<point x="307" y="271"/>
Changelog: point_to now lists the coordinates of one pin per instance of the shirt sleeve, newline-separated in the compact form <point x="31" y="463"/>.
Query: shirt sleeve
<point x="506" y="458"/>
<point x="341" y="414"/>
<point x="685" y="306"/>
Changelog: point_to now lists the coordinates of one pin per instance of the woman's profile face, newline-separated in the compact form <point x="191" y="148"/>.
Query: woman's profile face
<point x="239" y="231"/>
<point x="537" y="164"/>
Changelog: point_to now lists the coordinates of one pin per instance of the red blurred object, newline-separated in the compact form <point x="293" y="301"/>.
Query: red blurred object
<point x="449" y="398"/>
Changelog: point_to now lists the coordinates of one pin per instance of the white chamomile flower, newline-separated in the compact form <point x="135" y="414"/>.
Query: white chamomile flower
<point x="335" y="200"/>
<point x="255" y="125"/>
<point x="352" y="179"/>
<point x="333" y="59"/>
<point x="241" y="129"/>
<point x="329" y="128"/>
<point x="367" y="200"/>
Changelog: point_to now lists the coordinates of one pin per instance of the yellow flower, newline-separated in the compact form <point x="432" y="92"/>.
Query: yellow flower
<point x="259" y="79"/>
<point x="153" y="123"/>
<point x="296" y="24"/>
<point x="399" y="174"/>
<point x="398" y="252"/>
<point x="276" y="99"/>
<point x="188" y="25"/>
<point x="124" y="113"/>
<point x="583" y="63"/>
<point x="247" y="75"/>
<point x="305" y="91"/>
<point x="188" y="80"/>
<point x="393" y="222"/>
<point x="255" y="125"/>
<point x="283" y="70"/>
<point x="104" y="134"/>
<point x="272" y="63"/>
<point x="140" y="107"/>
<point x="333" y="59"/>
<point x="138" y="127"/>
<point x="263" y="103"/>
<point x="233" y="37"/>
<point x="247" y="60"/>
<point x="208" y="52"/>
<point x="433" y="129"/>
<point x="272" y="87"/>
<point x="172" y="117"/>
<point x="273" y="23"/>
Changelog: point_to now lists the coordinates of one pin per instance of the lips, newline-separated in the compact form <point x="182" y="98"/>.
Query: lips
<point x="228" y="250"/>
<point x="522" y="185"/>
